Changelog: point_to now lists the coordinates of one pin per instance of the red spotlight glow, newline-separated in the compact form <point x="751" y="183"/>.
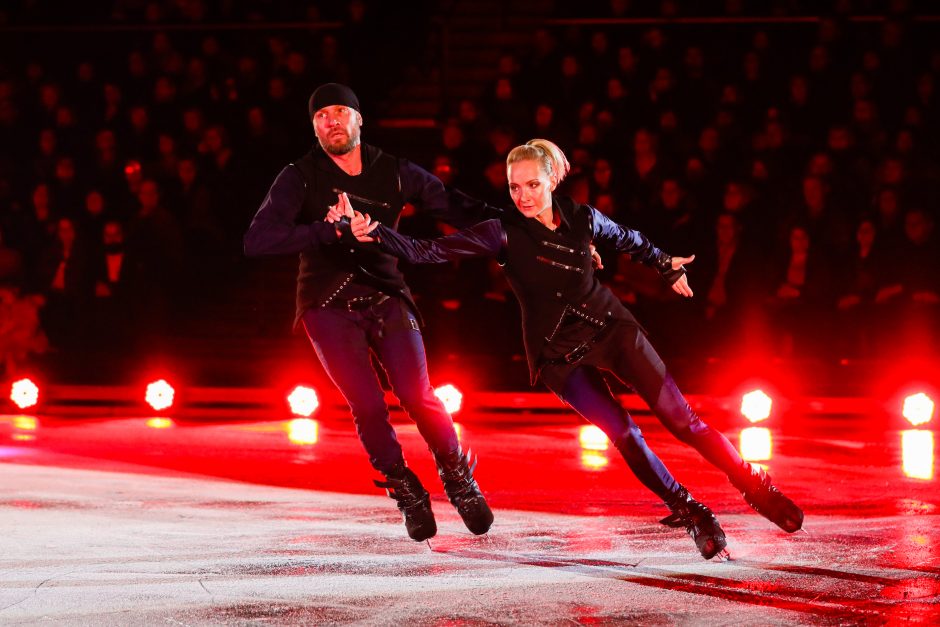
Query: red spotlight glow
<point x="24" y="393"/>
<point x="303" y="401"/>
<point x="756" y="444"/>
<point x="159" y="395"/>
<point x="756" y="406"/>
<point x="450" y="396"/>
<point x="918" y="409"/>
<point x="303" y="431"/>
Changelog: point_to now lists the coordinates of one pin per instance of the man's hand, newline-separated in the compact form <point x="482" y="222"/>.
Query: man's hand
<point x="361" y="226"/>
<point x="681" y="286"/>
<point x="342" y="208"/>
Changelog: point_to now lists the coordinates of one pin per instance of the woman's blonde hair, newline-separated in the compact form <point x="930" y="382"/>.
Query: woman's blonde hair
<point x="547" y="154"/>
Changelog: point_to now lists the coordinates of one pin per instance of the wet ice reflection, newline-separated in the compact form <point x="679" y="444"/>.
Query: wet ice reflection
<point x="756" y="444"/>
<point x="593" y="444"/>
<point x="917" y="453"/>
<point x="303" y="431"/>
<point x="160" y="423"/>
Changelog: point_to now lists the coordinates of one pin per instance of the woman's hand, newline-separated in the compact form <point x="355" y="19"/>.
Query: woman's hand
<point x="361" y="226"/>
<point x="681" y="286"/>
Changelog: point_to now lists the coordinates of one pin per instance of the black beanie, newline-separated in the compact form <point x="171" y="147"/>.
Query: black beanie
<point x="332" y="94"/>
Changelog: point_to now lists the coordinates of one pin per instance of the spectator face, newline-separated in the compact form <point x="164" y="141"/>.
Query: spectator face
<point x="859" y="86"/>
<point x="94" y="203"/>
<point x="136" y="66"/>
<point x="164" y="91"/>
<point x="599" y="43"/>
<point x="256" y="121"/>
<point x="503" y="89"/>
<point x="694" y="59"/>
<point x="918" y="227"/>
<point x="215" y="140"/>
<point x="543" y="116"/>
<point x="467" y="111"/>
<point x="888" y="206"/>
<point x="626" y="60"/>
<point x="662" y="82"/>
<point x="277" y="89"/>
<point x="140" y="119"/>
<point x="149" y="196"/>
<point x="820" y="164"/>
<point x="41" y="198"/>
<point x="587" y="135"/>
<point x="65" y="170"/>
<point x="864" y="112"/>
<point x="529" y="187"/>
<point x="925" y="88"/>
<point x="47" y="142"/>
<point x="799" y="241"/>
<point x="105" y="141"/>
<point x="112" y="235"/>
<point x="799" y="90"/>
<point x="132" y="172"/>
<point x="166" y="145"/>
<point x="734" y="199"/>
<point x="615" y="90"/>
<point x="865" y="234"/>
<point x="452" y="136"/>
<point x="112" y="95"/>
<point x="726" y="229"/>
<point x="904" y="143"/>
<point x="192" y="120"/>
<point x="337" y="128"/>
<point x="186" y="171"/>
<point x="65" y="231"/>
<point x="839" y="139"/>
<point x="296" y="63"/>
<point x="751" y="66"/>
<point x="814" y="193"/>
<point x="605" y="204"/>
<point x="602" y="172"/>
<point x="49" y="97"/>
<point x="708" y="140"/>
<point x="670" y="194"/>
<point x="643" y="143"/>
<point x="892" y="172"/>
<point x="819" y="59"/>
<point x="569" y="67"/>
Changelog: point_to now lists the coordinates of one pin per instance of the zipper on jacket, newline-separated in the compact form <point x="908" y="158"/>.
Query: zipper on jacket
<point x="559" y="265"/>
<point x="558" y="247"/>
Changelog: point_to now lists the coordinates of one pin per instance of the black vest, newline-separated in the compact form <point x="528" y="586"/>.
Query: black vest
<point x="551" y="270"/>
<point x="326" y="270"/>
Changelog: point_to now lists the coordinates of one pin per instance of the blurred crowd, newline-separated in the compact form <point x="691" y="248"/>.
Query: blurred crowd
<point x="799" y="162"/>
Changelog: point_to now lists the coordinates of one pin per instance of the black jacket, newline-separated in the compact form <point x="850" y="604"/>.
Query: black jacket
<point x="290" y="220"/>
<point x="549" y="271"/>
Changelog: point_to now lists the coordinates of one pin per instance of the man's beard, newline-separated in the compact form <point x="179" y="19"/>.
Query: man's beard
<point x="340" y="149"/>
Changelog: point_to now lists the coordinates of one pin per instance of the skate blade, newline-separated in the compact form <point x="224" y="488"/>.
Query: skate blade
<point x="723" y="556"/>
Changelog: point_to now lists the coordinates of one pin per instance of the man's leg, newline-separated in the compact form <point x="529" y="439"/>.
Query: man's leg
<point x="635" y="362"/>
<point x="587" y="392"/>
<point x="340" y="340"/>
<point x="401" y="351"/>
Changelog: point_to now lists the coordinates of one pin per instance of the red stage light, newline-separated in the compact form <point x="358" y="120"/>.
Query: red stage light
<point x="303" y="401"/>
<point x="756" y="406"/>
<point x="450" y="396"/>
<point x="24" y="393"/>
<point x="918" y="409"/>
<point x="159" y="395"/>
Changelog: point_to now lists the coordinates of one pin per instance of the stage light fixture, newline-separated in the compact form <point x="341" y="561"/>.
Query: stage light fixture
<point x="450" y="396"/>
<point x="918" y="409"/>
<point x="592" y="438"/>
<point x="24" y="393"/>
<point x="303" y="431"/>
<point x="756" y="406"/>
<point x="303" y="401"/>
<point x="159" y="395"/>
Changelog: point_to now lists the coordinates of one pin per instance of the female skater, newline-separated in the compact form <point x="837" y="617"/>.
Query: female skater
<point x="574" y="327"/>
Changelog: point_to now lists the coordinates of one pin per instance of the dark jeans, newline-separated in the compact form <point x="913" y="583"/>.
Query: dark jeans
<point x="345" y="342"/>
<point x="627" y="353"/>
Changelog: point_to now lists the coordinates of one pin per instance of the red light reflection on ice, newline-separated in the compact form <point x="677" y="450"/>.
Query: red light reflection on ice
<point x="592" y="438"/>
<point x="594" y="460"/>
<point x="917" y="453"/>
<point x="160" y="423"/>
<point x="756" y="444"/>
<point x="303" y="431"/>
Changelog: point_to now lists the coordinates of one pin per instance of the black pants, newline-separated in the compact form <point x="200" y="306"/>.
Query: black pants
<point x="345" y="342"/>
<point x="627" y="353"/>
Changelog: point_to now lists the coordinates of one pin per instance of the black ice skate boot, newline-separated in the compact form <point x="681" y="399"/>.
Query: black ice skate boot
<point x="414" y="502"/>
<point x="698" y="520"/>
<point x="462" y="490"/>
<point x="754" y="483"/>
